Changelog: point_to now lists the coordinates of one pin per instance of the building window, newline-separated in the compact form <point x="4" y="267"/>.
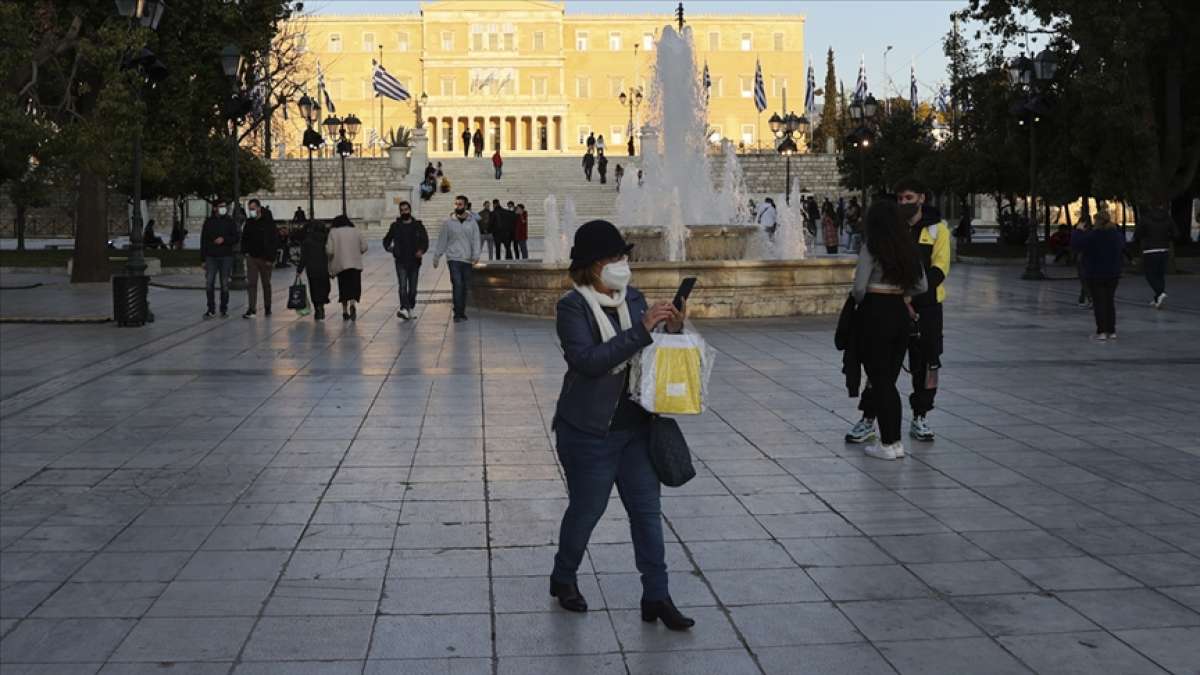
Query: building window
<point x="648" y="41"/>
<point x="476" y="42"/>
<point x="510" y="42"/>
<point x="714" y="42"/>
<point x="368" y="42"/>
<point x="335" y="42"/>
<point x="748" y="134"/>
<point x="616" y="85"/>
<point x="581" y="41"/>
<point x="401" y="42"/>
<point x="584" y="130"/>
<point x="616" y="136"/>
<point x="746" y="85"/>
<point x="779" y="42"/>
<point x="778" y="84"/>
<point x="747" y="42"/>
<point x="614" y="42"/>
<point x="583" y="87"/>
<point x="539" y="41"/>
<point x="447" y="86"/>
<point x="538" y="85"/>
<point x="493" y="37"/>
<point x="447" y="41"/>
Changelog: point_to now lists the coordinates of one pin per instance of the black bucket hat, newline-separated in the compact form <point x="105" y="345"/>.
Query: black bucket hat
<point x="597" y="240"/>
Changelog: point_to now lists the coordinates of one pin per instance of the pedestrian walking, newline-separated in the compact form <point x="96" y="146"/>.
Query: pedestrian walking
<point x="589" y="160"/>
<point x="314" y="264"/>
<point x="1154" y="231"/>
<point x="486" y="222"/>
<point x="602" y="166"/>
<point x="407" y="240"/>
<point x="618" y="174"/>
<point x="602" y="435"/>
<point x="591" y="141"/>
<point x="477" y="140"/>
<point x="1102" y="248"/>
<point x="629" y="146"/>
<point x="812" y="215"/>
<point x="855" y="224"/>
<point x="458" y="241"/>
<point x="260" y="241"/>
<point x="521" y="238"/>
<point x="497" y="163"/>
<point x="931" y="236"/>
<point x="641" y="178"/>
<point x="829" y="228"/>
<point x="466" y="141"/>
<point x="345" y="247"/>
<point x="767" y="216"/>
<point x="889" y="274"/>
<point x="600" y="144"/>
<point x="217" y="238"/>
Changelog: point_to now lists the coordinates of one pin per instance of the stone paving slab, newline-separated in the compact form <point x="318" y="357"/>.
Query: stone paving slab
<point x="282" y="496"/>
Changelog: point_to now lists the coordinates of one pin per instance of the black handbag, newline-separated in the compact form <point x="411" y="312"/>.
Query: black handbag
<point x="298" y="295"/>
<point x="669" y="452"/>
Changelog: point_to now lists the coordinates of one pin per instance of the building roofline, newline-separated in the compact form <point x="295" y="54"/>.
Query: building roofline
<point x="408" y="16"/>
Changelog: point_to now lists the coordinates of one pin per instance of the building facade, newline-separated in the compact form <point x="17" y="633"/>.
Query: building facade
<point x="536" y="80"/>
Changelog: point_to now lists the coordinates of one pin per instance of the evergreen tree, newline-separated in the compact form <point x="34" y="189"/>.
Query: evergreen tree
<point x="830" y="113"/>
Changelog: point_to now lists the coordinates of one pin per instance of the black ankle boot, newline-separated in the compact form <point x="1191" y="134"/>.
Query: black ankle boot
<point x="319" y="313"/>
<point x="568" y="596"/>
<point x="665" y="610"/>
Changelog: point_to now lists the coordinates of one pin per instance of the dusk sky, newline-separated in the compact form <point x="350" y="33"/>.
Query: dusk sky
<point x="853" y="28"/>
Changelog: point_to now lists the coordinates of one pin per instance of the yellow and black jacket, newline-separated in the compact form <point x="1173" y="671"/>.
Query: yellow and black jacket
<point x="932" y="237"/>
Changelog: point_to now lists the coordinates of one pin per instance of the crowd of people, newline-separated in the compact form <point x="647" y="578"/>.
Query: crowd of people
<point x="595" y="161"/>
<point x="839" y="225"/>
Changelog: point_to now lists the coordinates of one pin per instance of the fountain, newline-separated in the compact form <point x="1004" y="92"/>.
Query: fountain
<point x="682" y="225"/>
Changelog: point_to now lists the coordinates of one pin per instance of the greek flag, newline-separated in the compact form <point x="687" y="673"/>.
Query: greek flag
<point x="943" y="99"/>
<point x="386" y="85"/>
<point x="860" y="88"/>
<point x="810" y="92"/>
<point x="912" y="87"/>
<point x="760" y="91"/>
<point x="324" y="92"/>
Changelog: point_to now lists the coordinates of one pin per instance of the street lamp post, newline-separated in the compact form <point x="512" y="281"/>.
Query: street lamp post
<point x="311" y="112"/>
<point x="1031" y="78"/>
<point x="784" y="128"/>
<point x="863" y="112"/>
<point x="632" y="100"/>
<point x="231" y="64"/>
<point x="347" y="130"/>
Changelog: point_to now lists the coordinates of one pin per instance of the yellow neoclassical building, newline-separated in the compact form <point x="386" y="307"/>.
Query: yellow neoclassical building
<point x="536" y="80"/>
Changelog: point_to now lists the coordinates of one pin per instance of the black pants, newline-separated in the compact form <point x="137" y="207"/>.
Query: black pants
<point x="884" y="333"/>
<point x="921" y="355"/>
<point x="1156" y="271"/>
<point x="349" y="285"/>
<point x="1104" y="305"/>
<point x="587" y="173"/>
<point x="505" y="246"/>
<point x="466" y="147"/>
<point x="406" y="281"/>
<point x="603" y="176"/>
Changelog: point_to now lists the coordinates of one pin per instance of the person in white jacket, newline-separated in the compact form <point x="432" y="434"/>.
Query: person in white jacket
<point x="345" y="248"/>
<point x="458" y="240"/>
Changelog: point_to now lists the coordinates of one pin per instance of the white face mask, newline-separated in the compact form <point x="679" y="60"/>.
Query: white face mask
<point x="616" y="275"/>
<point x="253" y="213"/>
<point x="221" y="210"/>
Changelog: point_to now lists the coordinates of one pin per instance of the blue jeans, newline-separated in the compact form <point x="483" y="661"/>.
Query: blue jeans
<point x="460" y="279"/>
<point x="213" y="266"/>
<point x="592" y="465"/>
<point x="406" y="282"/>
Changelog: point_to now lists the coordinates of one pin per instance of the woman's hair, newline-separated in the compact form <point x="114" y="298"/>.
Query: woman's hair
<point x="341" y="221"/>
<point x="585" y="276"/>
<point x="889" y="242"/>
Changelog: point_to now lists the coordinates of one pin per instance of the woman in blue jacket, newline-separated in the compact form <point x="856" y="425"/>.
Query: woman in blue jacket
<point x="603" y="436"/>
<point x="1101" y="248"/>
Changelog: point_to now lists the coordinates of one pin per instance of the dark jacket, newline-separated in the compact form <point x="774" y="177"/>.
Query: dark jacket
<point x="1101" y="251"/>
<point x="504" y="224"/>
<point x="404" y="240"/>
<point x="477" y="139"/>
<point x="590" y="392"/>
<point x="260" y="239"/>
<point x="486" y="221"/>
<point x="845" y="339"/>
<point x="214" y="227"/>
<point x="315" y="261"/>
<point x="1154" y="229"/>
<point x="589" y="160"/>
<point x="602" y="163"/>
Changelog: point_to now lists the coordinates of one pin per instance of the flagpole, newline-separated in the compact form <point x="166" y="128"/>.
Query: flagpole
<point x="380" y="134"/>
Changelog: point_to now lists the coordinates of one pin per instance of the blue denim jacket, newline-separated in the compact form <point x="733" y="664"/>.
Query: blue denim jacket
<point x="590" y="392"/>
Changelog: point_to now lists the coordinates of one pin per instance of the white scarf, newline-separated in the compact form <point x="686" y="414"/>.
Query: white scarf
<point x="596" y="301"/>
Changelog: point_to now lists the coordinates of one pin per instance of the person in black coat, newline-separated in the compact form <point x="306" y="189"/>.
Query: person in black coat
<point x="466" y="141"/>
<point x="408" y="241"/>
<point x="589" y="160"/>
<point x="477" y="140"/>
<point x="602" y="435"/>
<point x="602" y="166"/>
<point x="217" y="239"/>
<point x="260" y="242"/>
<point x="504" y="226"/>
<point x="314" y="262"/>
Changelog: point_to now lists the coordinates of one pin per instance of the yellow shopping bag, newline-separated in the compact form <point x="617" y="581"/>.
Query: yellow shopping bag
<point x="677" y="380"/>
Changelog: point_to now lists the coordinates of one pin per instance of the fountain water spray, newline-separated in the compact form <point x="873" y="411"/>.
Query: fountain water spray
<point x="552" y="246"/>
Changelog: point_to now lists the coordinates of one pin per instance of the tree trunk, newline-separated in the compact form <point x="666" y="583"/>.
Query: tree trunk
<point x="91" y="230"/>
<point x="20" y="225"/>
<point x="1067" y="213"/>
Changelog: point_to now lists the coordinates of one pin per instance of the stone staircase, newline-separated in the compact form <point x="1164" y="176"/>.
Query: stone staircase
<point x="526" y="180"/>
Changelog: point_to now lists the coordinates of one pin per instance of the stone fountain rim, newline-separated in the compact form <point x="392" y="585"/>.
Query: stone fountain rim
<point x="838" y="260"/>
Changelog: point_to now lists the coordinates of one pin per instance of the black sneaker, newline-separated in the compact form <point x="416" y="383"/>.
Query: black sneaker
<point x="267" y="312"/>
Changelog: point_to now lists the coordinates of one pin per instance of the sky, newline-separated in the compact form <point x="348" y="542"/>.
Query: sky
<point x="854" y="28"/>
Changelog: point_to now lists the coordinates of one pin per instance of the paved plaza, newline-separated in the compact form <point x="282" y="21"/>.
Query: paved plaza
<point x="283" y="496"/>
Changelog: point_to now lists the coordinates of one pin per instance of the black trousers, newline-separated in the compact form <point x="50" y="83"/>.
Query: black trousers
<point x="1156" y="271"/>
<point x="406" y="282"/>
<point x="1104" y="304"/>
<point x="884" y="334"/>
<point x="921" y="355"/>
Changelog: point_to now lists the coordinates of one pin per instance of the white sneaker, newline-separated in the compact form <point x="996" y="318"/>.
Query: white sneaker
<point x="861" y="432"/>
<point x="1112" y="336"/>
<point x="898" y="448"/>
<point x="1158" y="302"/>
<point x="881" y="451"/>
<point x="919" y="430"/>
<point x="1100" y="337"/>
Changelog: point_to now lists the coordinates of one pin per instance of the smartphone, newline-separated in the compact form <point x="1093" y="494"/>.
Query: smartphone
<point x="685" y="289"/>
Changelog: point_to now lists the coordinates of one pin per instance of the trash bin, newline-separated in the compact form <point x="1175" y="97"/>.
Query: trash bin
<point x="131" y="307"/>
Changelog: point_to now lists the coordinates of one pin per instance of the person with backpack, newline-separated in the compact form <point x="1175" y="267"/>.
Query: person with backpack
<point x="407" y="241"/>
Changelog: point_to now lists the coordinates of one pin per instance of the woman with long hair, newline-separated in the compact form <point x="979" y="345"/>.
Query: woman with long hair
<point x="888" y="275"/>
<point x="603" y="436"/>
<point x="345" y="247"/>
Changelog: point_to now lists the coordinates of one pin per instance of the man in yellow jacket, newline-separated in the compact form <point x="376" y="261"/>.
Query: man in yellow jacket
<point x="932" y="237"/>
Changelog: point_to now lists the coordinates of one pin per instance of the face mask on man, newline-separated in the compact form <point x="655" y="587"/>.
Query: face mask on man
<point x="253" y="213"/>
<point x="616" y="275"/>
<point x="221" y="210"/>
<point x="908" y="212"/>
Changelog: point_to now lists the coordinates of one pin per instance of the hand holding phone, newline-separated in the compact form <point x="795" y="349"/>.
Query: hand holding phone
<point x="685" y="289"/>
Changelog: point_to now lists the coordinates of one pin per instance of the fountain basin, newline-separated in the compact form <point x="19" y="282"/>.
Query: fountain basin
<point x="725" y="289"/>
<point x="705" y="242"/>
